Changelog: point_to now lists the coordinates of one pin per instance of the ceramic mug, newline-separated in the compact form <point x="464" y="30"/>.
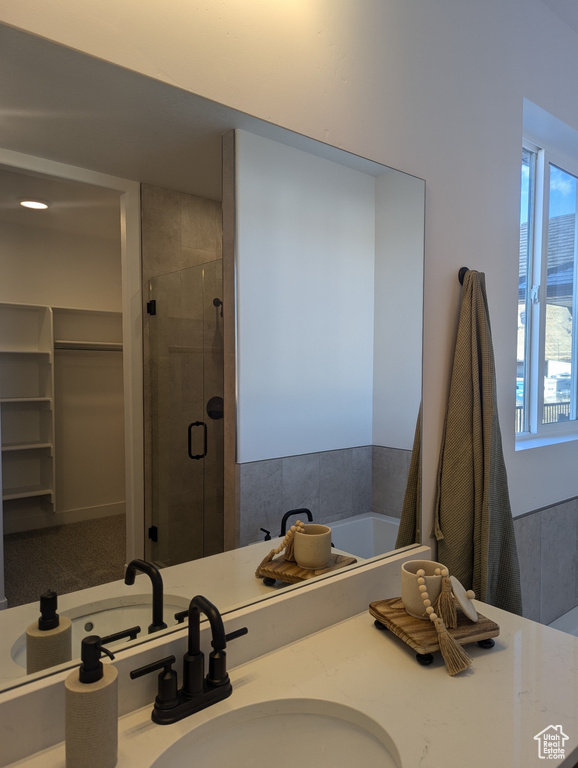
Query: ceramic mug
<point x="410" y="594"/>
<point x="312" y="549"/>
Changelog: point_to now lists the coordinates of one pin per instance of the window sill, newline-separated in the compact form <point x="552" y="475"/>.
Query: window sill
<point x="525" y="442"/>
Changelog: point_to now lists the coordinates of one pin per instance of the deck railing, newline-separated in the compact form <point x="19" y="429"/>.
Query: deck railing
<point x="553" y="412"/>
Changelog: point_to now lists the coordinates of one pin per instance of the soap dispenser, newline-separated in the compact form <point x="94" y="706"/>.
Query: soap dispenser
<point x="49" y="639"/>
<point x="91" y="706"/>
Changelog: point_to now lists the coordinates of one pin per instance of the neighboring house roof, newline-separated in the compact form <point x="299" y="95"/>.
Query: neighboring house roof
<point x="561" y="248"/>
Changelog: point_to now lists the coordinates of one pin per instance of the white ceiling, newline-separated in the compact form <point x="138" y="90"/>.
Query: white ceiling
<point x="62" y="105"/>
<point x="73" y="207"/>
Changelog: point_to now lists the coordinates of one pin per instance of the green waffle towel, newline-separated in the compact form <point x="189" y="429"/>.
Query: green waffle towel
<point x="410" y="524"/>
<point x="473" y="519"/>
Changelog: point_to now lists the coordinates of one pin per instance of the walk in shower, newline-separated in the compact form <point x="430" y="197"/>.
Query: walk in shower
<point x="184" y="445"/>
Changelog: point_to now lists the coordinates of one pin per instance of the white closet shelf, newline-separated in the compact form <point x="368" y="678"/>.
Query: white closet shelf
<point x="29" y="446"/>
<point x="26" y="492"/>
<point x="25" y="399"/>
<point x="45" y="352"/>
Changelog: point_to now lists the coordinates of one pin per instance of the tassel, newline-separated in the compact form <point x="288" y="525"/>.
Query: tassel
<point x="456" y="659"/>
<point x="445" y="605"/>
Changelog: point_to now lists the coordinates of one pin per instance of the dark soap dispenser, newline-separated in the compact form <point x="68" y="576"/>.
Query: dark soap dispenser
<point x="49" y="639"/>
<point x="91" y="706"/>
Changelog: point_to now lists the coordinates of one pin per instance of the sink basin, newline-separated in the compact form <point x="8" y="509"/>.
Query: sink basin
<point x="284" y="733"/>
<point x="107" y="616"/>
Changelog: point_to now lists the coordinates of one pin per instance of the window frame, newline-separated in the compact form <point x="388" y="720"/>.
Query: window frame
<point x="536" y="433"/>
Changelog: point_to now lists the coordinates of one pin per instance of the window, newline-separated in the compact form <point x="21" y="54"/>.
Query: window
<point x="546" y="380"/>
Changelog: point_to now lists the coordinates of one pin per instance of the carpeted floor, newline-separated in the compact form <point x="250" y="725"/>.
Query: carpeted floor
<point x="64" y="558"/>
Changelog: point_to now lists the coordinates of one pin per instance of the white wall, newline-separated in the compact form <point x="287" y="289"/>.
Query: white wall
<point x="329" y="284"/>
<point x="306" y="245"/>
<point x="89" y="440"/>
<point x="432" y="88"/>
<point x="63" y="269"/>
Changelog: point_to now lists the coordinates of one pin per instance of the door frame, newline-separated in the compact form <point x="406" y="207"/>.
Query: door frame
<point x="131" y="325"/>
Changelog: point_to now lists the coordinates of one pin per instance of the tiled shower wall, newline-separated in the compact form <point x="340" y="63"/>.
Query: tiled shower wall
<point x="332" y="484"/>
<point x="547" y="551"/>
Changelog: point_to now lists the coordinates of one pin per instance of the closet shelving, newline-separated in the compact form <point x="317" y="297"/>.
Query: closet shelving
<point x="26" y="402"/>
<point x="30" y="338"/>
<point x="86" y="329"/>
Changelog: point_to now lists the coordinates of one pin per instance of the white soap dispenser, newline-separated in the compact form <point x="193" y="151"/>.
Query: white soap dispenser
<point x="91" y="709"/>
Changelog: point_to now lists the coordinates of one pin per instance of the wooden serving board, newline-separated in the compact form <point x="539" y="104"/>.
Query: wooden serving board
<point x="288" y="570"/>
<point x="421" y="635"/>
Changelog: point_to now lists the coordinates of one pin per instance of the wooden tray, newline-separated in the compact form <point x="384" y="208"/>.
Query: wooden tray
<point x="288" y="570"/>
<point x="422" y="636"/>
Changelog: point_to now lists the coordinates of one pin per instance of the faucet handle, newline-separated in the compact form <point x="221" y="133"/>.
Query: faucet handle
<point x="235" y="634"/>
<point x="131" y="633"/>
<point x="217" y="674"/>
<point x="167" y="696"/>
<point x="182" y="615"/>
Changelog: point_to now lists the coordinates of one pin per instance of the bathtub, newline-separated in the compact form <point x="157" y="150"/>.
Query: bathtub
<point x="365" y="535"/>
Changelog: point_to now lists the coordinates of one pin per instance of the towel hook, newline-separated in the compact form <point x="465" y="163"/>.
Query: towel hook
<point x="462" y="274"/>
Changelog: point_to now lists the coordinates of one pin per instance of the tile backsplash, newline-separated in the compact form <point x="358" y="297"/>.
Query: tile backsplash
<point x="547" y="550"/>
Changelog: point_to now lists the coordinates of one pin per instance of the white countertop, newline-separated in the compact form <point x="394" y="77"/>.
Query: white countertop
<point x="486" y="716"/>
<point x="227" y="578"/>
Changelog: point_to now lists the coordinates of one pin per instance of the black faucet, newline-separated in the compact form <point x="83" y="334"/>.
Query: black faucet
<point x="194" y="661"/>
<point x="154" y="574"/>
<point x="306" y="512"/>
<point x="198" y="691"/>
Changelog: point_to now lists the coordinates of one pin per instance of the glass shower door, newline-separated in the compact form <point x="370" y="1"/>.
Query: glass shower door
<point x="184" y="464"/>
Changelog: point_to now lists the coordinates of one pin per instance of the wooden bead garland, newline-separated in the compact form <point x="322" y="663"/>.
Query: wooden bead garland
<point x="456" y="659"/>
<point x="287" y="544"/>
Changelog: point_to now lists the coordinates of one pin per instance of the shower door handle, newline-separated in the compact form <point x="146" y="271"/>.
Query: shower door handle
<point x="197" y="456"/>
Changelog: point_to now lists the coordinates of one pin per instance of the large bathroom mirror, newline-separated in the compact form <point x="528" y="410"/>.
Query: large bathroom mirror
<point x="264" y="290"/>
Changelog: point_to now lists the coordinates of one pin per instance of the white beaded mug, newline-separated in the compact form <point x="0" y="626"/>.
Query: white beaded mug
<point x="312" y="548"/>
<point x="410" y="589"/>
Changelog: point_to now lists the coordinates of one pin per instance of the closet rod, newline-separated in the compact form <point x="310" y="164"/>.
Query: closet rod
<point x="91" y="346"/>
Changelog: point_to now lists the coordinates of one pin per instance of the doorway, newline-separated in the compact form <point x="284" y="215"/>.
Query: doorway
<point x="53" y="266"/>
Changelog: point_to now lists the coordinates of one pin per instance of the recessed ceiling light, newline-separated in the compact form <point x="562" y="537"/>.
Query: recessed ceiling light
<point x="38" y="205"/>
